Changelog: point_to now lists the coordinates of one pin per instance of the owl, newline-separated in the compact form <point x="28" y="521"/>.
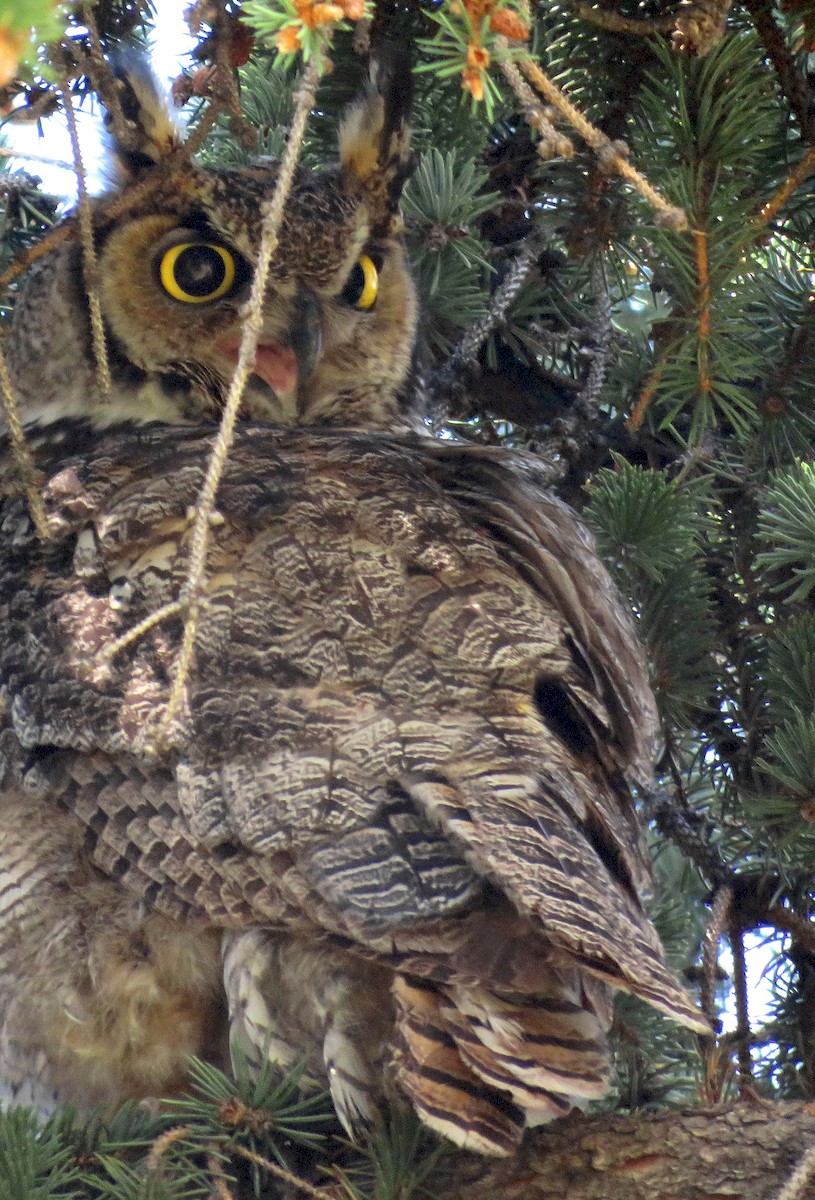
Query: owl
<point x="394" y="836"/>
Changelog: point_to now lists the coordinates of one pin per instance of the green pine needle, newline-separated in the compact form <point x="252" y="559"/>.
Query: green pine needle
<point x="164" y="1183"/>
<point x="268" y="1110"/>
<point x="646" y="525"/>
<point x="35" y="1162"/>
<point x="395" y="1164"/>
<point x="787" y="528"/>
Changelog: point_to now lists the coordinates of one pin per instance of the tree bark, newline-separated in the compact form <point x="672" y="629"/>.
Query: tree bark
<point x="735" y="1152"/>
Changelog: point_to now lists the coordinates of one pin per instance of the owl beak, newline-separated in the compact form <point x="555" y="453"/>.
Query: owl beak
<point x="286" y="362"/>
<point x="306" y="332"/>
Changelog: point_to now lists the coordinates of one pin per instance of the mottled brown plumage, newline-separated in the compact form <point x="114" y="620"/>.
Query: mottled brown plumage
<point x="399" y="794"/>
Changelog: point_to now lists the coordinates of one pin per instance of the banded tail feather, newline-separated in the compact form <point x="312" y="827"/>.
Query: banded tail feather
<point x="446" y="1093"/>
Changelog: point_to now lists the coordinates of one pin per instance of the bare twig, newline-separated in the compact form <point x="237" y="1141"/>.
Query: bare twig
<point x="611" y="154"/>
<point x="202" y="130"/>
<point x="466" y="352"/>
<point x="56" y="237"/>
<point x="9" y="152"/>
<point x="792" y="78"/>
<point x="172" y="609"/>
<point x="553" y="143"/>
<point x="227" y="83"/>
<point x="615" y="22"/>
<point x="89" y="261"/>
<point x="163" y="1143"/>
<point x="793" y="181"/>
<point x="23" y="462"/>
<point x="103" y="79"/>
<point x="710" y="951"/>
<point x="746" y="1081"/>
<point x="219" y="1180"/>
<point x="362" y="36"/>
<point x="598" y="350"/>
<point x="675" y="823"/>
<point x="678" y="825"/>
<point x="802" y="931"/>
<point x="637" y="414"/>
<point x="702" y="259"/>
<point x="281" y="1173"/>
<point x="199" y="544"/>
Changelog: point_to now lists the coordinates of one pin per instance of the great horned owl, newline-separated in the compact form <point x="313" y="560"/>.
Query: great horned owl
<point x="395" y="836"/>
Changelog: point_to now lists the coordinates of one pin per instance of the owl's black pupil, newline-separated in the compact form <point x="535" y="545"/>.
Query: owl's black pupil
<point x="199" y="270"/>
<point x="355" y="285"/>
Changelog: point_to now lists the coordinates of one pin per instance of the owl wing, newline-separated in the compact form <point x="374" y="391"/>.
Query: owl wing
<point x="414" y="714"/>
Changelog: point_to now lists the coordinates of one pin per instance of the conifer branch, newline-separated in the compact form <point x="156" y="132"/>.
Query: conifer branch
<point x="743" y="1032"/>
<point x="686" y="1153"/>
<point x="796" y="177"/>
<point x="616" y="22"/>
<point x="700" y="25"/>
<point x="793" y="82"/>
<point x="649" y="389"/>
<point x="700" y="246"/>
<point x="29" y="477"/>
<point x="612" y="155"/>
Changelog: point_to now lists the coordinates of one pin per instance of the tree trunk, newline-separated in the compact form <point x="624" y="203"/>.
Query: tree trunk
<point x="734" y="1152"/>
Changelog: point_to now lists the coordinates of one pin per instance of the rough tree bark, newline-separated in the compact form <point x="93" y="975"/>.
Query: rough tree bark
<point x="735" y="1152"/>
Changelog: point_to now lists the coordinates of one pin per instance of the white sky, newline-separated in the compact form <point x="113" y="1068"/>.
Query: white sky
<point x="170" y="45"/>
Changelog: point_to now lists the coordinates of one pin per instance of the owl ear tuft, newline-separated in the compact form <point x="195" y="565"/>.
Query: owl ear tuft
<point x="375" y="139"/>
<point x="150" y="131"/>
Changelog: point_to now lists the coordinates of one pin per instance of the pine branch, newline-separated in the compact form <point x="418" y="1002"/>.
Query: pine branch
<point x="792" y="79"/>
<point x="685" y="1154"/>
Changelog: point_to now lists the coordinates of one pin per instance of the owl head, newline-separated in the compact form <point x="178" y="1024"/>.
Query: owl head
<point x="176" y="245"/>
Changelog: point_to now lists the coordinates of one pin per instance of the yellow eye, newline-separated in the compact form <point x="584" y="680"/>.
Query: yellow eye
<point x="197" y="272"/>
<point x="363" y="283"/>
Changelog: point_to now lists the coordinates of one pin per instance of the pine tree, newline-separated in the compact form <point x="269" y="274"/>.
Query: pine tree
<point x="654" y="350"/>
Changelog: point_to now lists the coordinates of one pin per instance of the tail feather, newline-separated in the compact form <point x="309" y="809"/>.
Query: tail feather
<point x="510" y="1075"/>
<point x="528" y="1049"/>
<point x="480" y="1067"/>
<point x="447" y="1095"/>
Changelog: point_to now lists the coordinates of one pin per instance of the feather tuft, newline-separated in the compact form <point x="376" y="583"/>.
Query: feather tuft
<point x="375" y="141"/>
<point x="150" y="132"/>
